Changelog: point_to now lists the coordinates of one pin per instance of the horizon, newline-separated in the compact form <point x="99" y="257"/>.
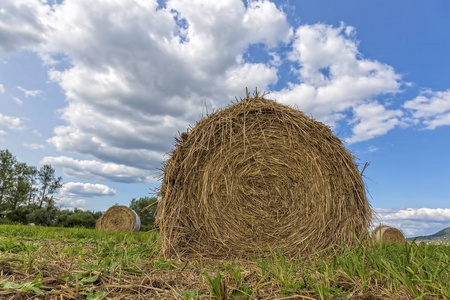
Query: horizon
<point x="100" y="94"/>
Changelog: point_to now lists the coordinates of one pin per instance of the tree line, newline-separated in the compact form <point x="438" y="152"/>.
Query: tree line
<point x="27" y="195"/>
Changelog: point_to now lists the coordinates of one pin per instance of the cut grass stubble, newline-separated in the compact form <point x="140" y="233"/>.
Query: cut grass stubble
<point x="79" y="263"/>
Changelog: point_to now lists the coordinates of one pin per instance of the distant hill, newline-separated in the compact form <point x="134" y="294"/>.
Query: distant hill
<point x="440" y="237"/>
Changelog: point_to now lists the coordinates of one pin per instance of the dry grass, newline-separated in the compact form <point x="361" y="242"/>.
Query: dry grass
<point x="260" y="174"/>
<point x="118" y="218"/>
<point x="76" y="263"/>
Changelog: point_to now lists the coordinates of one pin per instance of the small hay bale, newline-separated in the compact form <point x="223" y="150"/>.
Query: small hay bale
<point x="387" y="234"/>
<point x="419" y="243"/>
<point x="119" y="218"/>
<point x="260" y="174"/>
<point x="31" y="224"/>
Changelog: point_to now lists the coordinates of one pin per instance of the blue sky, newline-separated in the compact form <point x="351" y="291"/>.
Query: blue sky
<point x="100" y="92"/>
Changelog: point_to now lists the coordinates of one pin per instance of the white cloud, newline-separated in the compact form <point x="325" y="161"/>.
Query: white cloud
<point x="17" y="100"/>
<point x="335" y="80"/>
<point x="422" y="214"/>
<point x="2" y="132"/>
<point x="95" y="170"/>
<point x="79" y="189"/>
<point x="29" y="93"/>
<point x="20" y="24"/>
<point x="138" y="73"/>
<point x="372" y="148"/>
<point x="2" y="89"/>
<point x="250" y="75"/>
<point x="415" y="221"/>
<point x="36" y="132"/>
<point x="70" y="204"/>
<point x="373" y="120"/>
<point x="11" y="122"/>
<point x="33" y="146"/>
<point x="432" y="108"/>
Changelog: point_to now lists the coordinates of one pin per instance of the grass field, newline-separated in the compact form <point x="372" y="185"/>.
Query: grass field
<point x="60" y="263"/>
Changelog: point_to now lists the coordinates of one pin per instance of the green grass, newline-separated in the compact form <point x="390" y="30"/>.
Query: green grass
<point x="89" y="264"/>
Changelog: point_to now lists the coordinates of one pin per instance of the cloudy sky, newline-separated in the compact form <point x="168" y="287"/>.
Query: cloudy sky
<point x="100" y="89"/>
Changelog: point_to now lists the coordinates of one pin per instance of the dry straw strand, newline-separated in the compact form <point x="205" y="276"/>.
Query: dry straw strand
<point x="118" y="218"/>
<point x="259" y="174"/>
<point x="387" y="234"/>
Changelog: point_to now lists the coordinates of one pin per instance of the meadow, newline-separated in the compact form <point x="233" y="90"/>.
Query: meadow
<point x="77" y="263"/>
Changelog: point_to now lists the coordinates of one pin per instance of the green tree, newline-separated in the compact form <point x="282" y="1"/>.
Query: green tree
<point x="42" y="216"/>
<point x="49" y="185"/>
<point x="145" y="208"/>
<point x="21" y="213"/>
<point x="7" y="163"/>
<point x="23" y="189"/>
<point x="81" y="219"/>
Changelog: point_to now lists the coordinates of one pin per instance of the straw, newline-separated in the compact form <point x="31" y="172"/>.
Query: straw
<point x="387" y="234"/>
<point x="260" y="175"/>
<point x="119" y="218"/>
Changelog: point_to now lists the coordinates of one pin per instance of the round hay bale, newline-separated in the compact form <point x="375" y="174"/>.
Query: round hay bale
<point x="260" y="174"/>
<point x="119" y="218"/>
<point x="387" y="234"/>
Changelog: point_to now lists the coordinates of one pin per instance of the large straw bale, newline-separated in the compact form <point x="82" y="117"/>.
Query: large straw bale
<point x="387" y="234"/>
<point x="260" y="174"/>
<point x="119" y="218"/>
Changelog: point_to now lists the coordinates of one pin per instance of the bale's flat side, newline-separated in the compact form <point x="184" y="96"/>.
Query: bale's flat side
<point x="387" y="234"/>
<point x="259" y="173"/>
<point x="376" y="233"/>
<point x="119" y="218"/>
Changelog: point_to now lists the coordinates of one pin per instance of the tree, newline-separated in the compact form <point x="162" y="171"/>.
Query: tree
<point x="21" y="214"/>
<point x="23" y="189"/>
<point x="7" y="163"/>
<point x="77" y="218"/>
<point x="147" y="216"/>
<point x="42" y="216"/>
<point x="49" y="184"/>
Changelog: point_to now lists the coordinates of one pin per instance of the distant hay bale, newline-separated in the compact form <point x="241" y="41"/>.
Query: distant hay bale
<point x="260" y="174"/>
<point x="119" y="218"/>
<point x="31" y="224"/>
<point x="388" y="234"/>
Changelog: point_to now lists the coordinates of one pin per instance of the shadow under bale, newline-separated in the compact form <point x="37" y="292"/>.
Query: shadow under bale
<point x="260" y="174"/>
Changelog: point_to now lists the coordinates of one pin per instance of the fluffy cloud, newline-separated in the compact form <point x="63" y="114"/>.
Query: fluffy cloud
<point x="420" y="214"/>
<point x="11" y="122"/>
<point x="20" y="24"/>
<point x="79" y="189"/>
<point x="70" y="204"/>
<point x="373" y="119"/>
<point x="95" y="170"/>
<point x="139" y="73"/>
<point x="335" y="79"/>
<point x="2" y="89"/>
<point x="135" y="73"/>
<point x="416" y="221"/>
<point x="432" y="108"/>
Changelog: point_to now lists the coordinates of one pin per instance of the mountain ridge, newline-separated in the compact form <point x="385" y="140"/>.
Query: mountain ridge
<point x="440" y="237"/>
